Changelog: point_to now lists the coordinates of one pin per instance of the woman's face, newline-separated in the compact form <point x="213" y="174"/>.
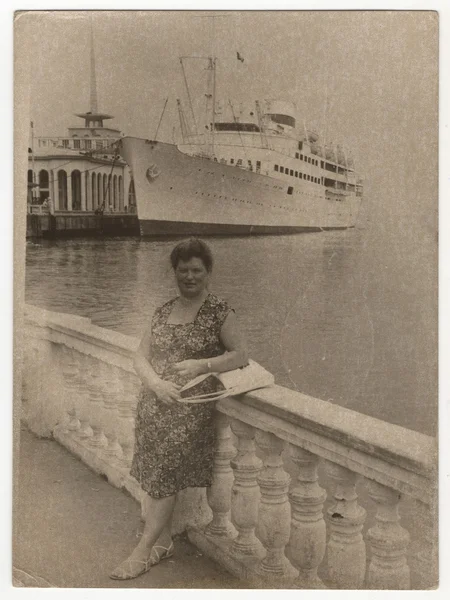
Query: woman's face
<point x="192" y="277"/>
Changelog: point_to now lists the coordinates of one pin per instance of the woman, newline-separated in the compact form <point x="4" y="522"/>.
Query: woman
<point x="194" y="333"/>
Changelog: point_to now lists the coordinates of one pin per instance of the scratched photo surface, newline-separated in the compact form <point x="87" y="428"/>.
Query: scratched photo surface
<point x="302" y="147"/>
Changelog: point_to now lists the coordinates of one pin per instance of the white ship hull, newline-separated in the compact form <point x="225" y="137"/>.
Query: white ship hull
<point x="180" y="194"/>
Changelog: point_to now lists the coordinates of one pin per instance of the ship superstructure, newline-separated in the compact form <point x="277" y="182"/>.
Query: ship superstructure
<point x="248" y="170"/>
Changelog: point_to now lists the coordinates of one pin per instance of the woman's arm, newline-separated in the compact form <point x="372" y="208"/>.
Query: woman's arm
<point x="235" y="357"/>
<point x="165" y="390"/>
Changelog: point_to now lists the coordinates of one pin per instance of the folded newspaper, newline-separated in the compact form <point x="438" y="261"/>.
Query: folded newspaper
<point x="238" y="381"/>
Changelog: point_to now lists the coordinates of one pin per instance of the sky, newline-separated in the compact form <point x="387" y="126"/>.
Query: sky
<point x="363" y="77"/>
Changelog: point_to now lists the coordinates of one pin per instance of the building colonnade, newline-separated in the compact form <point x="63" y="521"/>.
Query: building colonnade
<point x="82" y="190"/>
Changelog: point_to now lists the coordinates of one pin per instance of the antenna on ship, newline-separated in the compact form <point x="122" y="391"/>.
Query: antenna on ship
<point x="161" y="117"/>
<point x="262" y="128"/>
<point x="212" y="66"/>
<point x="188" y="94"/>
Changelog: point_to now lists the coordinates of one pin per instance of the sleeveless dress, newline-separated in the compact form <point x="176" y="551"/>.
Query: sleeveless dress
<point x="174" y="443"/>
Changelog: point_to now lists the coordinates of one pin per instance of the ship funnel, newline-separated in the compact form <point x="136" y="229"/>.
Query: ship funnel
<point x="280" y="115"/>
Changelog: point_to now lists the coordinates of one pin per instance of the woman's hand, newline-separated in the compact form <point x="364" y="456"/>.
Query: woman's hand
<point x="166" y="391"/>
<point x="188" y="368"/>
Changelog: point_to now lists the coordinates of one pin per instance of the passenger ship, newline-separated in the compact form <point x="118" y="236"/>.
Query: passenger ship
<point x="256" y="173"/>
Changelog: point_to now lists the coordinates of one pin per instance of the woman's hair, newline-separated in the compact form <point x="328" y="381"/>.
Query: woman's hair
<point x="192" y="248"/>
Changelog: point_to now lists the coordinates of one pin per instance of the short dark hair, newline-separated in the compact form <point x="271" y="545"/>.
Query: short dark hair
<point x="192" y="248"/>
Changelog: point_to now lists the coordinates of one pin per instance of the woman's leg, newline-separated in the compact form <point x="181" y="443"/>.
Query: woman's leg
<point x="158" y="521"/>
<point x="158" y="516"/>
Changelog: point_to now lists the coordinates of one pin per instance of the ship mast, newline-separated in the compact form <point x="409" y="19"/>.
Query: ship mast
<point x="212" y="66"/>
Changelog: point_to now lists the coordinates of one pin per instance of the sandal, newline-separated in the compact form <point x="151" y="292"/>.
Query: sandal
<point x="125" y="570"/>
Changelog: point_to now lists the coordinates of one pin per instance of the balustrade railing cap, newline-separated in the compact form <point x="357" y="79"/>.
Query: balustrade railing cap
<point x="81" y="328"/>
<point x="394" y="444"/>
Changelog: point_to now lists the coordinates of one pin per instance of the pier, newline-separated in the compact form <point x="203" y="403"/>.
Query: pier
<point x="42" y="224"/>
<point x="306" y="493"/>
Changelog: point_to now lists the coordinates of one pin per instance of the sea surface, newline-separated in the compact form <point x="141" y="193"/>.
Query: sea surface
<point x="343" y="316"/>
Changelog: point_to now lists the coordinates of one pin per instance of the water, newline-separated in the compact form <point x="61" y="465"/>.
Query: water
<point x="336" y="315"/>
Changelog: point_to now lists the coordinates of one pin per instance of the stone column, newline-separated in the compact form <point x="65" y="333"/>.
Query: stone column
<point x="388" y="569"/>
<point x="126" y="408"/>
<point x="346" y="547"/>
<point x="53" y="183"/>
<point x="69" y="191"/>
<point x="83" y="191"/>
<point x="219" y="494"/>
<point x="70" y="371"/>
<point x="112" y="392"/>
<point x="98" y="441"/>
<point x="274" y="520"/>
<point x="85" y="432"/>
<point x="245" y="493"/>
<point x="308" y="535"/>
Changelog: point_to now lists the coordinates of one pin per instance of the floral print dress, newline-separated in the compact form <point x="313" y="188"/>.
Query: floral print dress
<point x="174" y="443"/>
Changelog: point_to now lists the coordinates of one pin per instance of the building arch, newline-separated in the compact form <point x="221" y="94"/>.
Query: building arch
<point x="44" y="185"/>
<point x="62" y="190"/>
<point x="76" y="189"/>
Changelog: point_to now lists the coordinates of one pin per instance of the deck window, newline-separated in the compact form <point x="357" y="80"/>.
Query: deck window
<point x="275" y="167"/>
<point x="296" y="173"/>
<point x="281" y="169"/>
<point x="290" y="190"/>
<point x="301" y="156"/>
<point x="297" y="155"/>
<point x="291" y="172"/>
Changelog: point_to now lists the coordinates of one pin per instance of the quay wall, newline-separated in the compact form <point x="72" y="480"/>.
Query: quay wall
<point x="72" y="224"/>
<point x="306" y="494"/>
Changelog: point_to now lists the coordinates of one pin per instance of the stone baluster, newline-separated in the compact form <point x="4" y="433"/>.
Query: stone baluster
<point x="308" y="533"/>
<point x="126" y="408"/>
<point x="98" y="439"/>
<point x="274" y="521"/>
<point x="112" y="390"/>
<point x="388" y="540"/>
<point x="425" y="560"/>
<point x="346" y="547"/>
<point x="219" y="494"/>
<point x="84" y="404"/>
<point x="245" y="492"/>
<point x="70" y="369"/>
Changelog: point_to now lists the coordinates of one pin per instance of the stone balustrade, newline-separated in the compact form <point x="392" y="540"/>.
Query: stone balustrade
<point x="301" y="496"/>
<point x="306" y="494"/>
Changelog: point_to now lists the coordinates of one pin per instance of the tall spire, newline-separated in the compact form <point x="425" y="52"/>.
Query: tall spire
<point x="94" y="103"/>
<point x="93" y="118"/>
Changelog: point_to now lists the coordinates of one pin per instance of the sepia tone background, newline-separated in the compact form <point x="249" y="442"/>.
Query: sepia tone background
<point x="374" y="75"/>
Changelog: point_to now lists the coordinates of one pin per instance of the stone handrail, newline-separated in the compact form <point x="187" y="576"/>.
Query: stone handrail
<point x="256" y="518"/>
<point x="281" y="459"/>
